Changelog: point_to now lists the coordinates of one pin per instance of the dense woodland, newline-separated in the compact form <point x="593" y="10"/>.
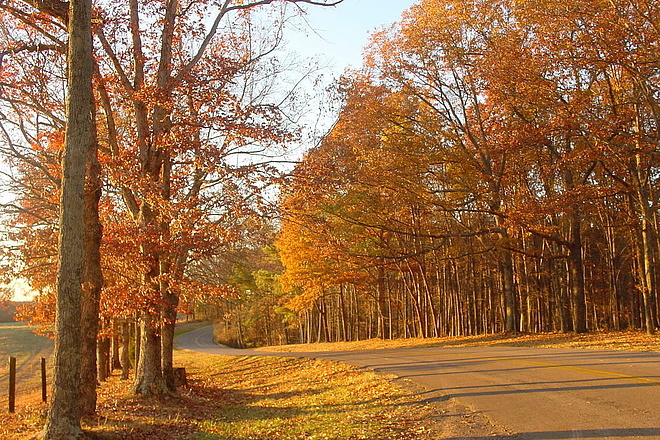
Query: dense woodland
<point x="493" y="168"/>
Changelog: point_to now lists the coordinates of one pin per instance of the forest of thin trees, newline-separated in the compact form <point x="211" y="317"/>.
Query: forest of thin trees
<point x="494" y="169"/>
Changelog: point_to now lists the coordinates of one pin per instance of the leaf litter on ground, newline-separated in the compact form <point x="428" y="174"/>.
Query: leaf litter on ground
<point x="276" y="398"/>
<point x="242" y="398"/>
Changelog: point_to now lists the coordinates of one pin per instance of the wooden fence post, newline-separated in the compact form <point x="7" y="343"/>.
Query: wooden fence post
<point x="12" y="384"/>
<point x="44" y="396"/>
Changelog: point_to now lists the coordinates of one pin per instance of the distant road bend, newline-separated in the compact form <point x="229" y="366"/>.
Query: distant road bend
<point x="537" y="394"/>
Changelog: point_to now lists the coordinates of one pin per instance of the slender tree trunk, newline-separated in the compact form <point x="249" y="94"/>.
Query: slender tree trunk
<point x="508" y="281"/>
<point x="646" y="257"/>
<point x="563" y="298"/>
<point x="614" y="290"/>
<point x="115" y="357"/>
<point x="344" y="336"/>
<point x="646" y="279"/>
<point x="646" y="254"/>
<point x="136" y="336"/>
<point x="124" y="351"/>
<point x="64" y="416"/>
<point x="103" y="359"/>
<point x="508" y="286"/>
<point x="576" y="268"/>
<point x="385" y="329"/>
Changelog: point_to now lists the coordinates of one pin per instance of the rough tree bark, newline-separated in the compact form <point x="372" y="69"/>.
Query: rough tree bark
<point x="93" y="281"/>
<point x="149" y="380"/>
<point x="64" y="415"/>
<point x="576" y="268"/>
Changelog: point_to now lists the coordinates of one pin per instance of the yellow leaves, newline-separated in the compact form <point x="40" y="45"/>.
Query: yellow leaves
<point x="286" y="398"/>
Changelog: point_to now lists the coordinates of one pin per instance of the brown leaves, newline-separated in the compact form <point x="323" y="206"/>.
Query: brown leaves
<point x="122" y="416"/>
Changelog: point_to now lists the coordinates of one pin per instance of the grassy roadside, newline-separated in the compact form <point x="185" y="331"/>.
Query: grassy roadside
<point x="286" y="398"/>
<point x="271" y="398"/>
<point x="626" y="340"/>
<point x="250" y="398"/>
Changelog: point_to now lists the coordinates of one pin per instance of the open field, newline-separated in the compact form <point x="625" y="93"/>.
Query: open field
<point x="18" y="340"/>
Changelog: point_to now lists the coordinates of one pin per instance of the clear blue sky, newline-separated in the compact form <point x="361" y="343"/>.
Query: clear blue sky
<point x="344" y="30"/>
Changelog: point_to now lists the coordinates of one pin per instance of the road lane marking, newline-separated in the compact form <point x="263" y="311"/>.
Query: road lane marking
<point x="586" y="370"/>
<point x="573" y="368"/>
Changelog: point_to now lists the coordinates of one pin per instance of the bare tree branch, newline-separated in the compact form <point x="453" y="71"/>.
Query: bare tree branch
<point x="226" y="8"/>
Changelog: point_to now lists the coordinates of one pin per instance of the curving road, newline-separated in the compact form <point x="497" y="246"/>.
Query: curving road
<point x="535" y="394"/>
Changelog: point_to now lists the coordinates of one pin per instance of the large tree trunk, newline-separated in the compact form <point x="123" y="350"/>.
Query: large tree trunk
<point x="149" y="379"/>
<point x="64" y="416"/>
<point x="88" y="380"/>
<point x="168" y="312"/>
<point x="155" y="364"/>
<point x="93" y="277"/>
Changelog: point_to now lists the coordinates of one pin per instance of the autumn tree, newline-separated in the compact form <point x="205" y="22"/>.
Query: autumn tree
<point x="507" y="146"/>
<point x="187" y="117"/>
<point x="172" y="111"/>
<point x="35" y="114"/>
<point x="64" y="414"/>
<point x="586" y="113"/>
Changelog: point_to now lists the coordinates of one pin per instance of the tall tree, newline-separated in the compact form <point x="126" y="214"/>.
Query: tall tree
<point x="174" y="110"/>
<point x="179" y="146"/>
<point x="64" y="414"/>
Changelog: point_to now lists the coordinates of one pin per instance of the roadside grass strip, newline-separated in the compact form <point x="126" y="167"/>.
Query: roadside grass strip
<point x="251" y="398"/>
<point x="286" y="398"/>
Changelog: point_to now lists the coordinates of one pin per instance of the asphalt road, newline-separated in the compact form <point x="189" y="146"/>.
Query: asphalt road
<point x="535" y="394"/>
